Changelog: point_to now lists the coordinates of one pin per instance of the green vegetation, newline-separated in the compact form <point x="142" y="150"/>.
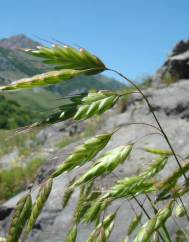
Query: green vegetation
<point x="12" y="115"/>
<point x="17" y="178"/>
<point x="93" y="202"/>
<point x="35" y="104"/>
<point x="169" y="78"/>
<point x="10" y="140"/>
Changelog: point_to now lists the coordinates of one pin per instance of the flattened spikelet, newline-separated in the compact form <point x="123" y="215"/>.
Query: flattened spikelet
<point x="137" y="185"/>
<point x="49" y="78"/>
<point x="169" y="183"/>
<point x="103" y="230"/>
<point x="96" y="208"/>
<point x="68" y="193"/>
<point x="72" y="235"/>
<point x="106" y="164"/>
<point x="83" y="153"/>
<point x="180" y="210"/>
<point x="154" y="224"/>
<point x="155" y="167"/>
<point x="96" y="103"/>
<point x="128" y="187"/>
<point x="20" y="216"/>
<point x="86" y="198"/>
<point x="38" y="205"/>
<point x="134" y="223"/>
<point x="67" y="57"/>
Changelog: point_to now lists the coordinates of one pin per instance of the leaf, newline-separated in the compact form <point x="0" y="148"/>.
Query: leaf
<point x="20" y="216"/>
<point x="84" y="153"/>
<point x="49" y="78"/>
<point x="38" y="205"/>
<point x="134" y="223"/>
<point x="67" y="57"/>
<point x="159" y="152"/>
<point x="106" y="164"/>
<point x="72" y="235"/>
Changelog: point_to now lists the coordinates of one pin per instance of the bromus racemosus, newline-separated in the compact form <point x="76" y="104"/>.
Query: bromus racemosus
<point x="94" y="202"/>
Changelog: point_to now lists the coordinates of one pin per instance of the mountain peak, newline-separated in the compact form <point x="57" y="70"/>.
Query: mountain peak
<point x="18" y="41"/>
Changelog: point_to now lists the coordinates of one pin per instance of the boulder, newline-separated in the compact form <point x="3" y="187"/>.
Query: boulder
<point x="176" y="67"/>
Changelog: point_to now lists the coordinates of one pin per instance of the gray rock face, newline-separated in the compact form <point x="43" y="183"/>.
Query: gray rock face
<point x="176" y="67"/>
<point x="172" y="109"/>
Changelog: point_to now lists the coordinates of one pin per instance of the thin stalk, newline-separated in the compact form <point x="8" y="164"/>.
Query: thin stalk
<point x="163" y="228"/>
<point x="147" y="215"/>
<point x="166" y="234"/>
<point x="141" y="206"/>
<point x="160" y="127"/>
<point x="187" y="215"/>
<point x="139" y="123"/>
<point x="155" y="117"/>
<point x="180" y="228"/>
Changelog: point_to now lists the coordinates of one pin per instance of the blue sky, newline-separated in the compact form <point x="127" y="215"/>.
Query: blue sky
<point x="134" y="36"/>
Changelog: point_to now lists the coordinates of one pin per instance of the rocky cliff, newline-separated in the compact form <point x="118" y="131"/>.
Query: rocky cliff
<point x="176" y="67"/>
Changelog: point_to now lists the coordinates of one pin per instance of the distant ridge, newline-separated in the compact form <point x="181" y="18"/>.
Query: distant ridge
<point x="15" y="65"/>
<point x="18" y="41"/>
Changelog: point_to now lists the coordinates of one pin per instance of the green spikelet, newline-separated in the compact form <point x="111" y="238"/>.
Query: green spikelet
<point x="20" y="216"/>
<point x="169" y="183"/>
<point x="159" y="152"/>
<point x="49" y="78"/>
<point x="67" y="57"/>
<point x="106" y="164"/>
<point x="181" y="236"/>
<point x="155" y="167"/>
<point x="68" y="193"/>
<point x="96" y="208"/>
<point x="103" y="230"/>
<point x="83" y="153"/>
<point x="81" y="208"/>
<point x="72" y="235"/>
<point x="126" y="239"/>
<point x="180" y="211"/>
<point x="96" y="103"/>
<point x="154" y="224"/>
<point x="137" y="185"/>
<point x="86" y="198"/>
<point x="38" y="205"/>
<point x="134" y="223"/>
<point x="155" y="237"/>
<point x="130" y="186"/>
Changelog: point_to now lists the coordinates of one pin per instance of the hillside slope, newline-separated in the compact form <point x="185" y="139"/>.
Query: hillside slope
<point x="15" y="65"/>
